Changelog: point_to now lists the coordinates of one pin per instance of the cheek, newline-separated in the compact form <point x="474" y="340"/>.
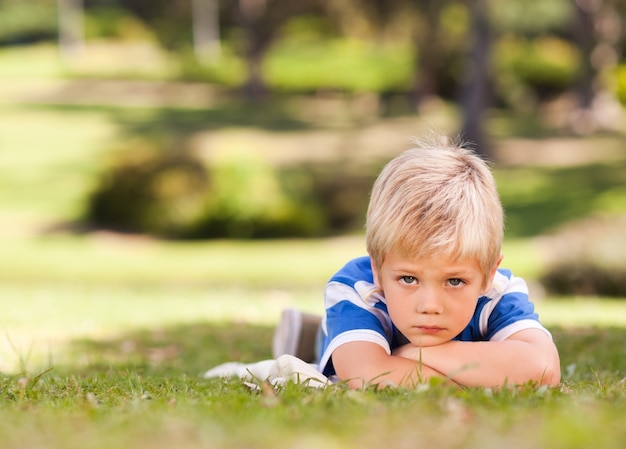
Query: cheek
<point x="465" y="308"/>
<point x="398" y="308"/>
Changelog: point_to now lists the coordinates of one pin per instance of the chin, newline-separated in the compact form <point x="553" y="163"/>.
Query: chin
<point x="426" y="341"/>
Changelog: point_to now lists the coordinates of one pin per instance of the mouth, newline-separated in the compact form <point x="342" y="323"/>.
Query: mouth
<point x="429" y="329"/>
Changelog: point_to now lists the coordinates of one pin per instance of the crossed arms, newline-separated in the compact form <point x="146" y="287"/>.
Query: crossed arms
<point x="526" y="356"/>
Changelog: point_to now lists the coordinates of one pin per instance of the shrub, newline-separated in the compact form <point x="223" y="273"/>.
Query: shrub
<point x="588" y="257"/>
<point x="341" y="64"/>
<point x="26" y="22"/>
<point x="248" y="198"/>
<point x="542" y="66"/>
<point x="228" y="70"/>
<point x="147" y="192"/>
<point x="177" y="195"/>
<point x="110" y="22"/>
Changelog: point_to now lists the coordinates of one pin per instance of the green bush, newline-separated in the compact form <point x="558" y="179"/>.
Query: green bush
<point x="110" y="22"/>
<point x="588" y="257"/>
<point x="540" y="67"/>
<point x="341" y="64"/>
<point x="228" y="70"/>
<point x="147" y="192"/>
<point x="250" y="199"/>
<point x="177" y="195"/>
<point x="25" y="22"/>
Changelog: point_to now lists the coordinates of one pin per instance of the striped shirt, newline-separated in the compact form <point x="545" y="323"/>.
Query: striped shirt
<point x="356" y="311"/>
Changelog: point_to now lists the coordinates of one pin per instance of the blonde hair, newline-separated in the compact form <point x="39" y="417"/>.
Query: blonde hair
<point x="438" y="197"/>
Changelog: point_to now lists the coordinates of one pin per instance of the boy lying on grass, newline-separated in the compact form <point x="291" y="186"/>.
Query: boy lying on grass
<point x="429" y="299"/>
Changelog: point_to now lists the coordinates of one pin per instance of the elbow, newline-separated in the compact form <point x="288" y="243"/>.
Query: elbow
<point x="543" y="365"/>
<point x="552" y="375"/>
<point x="547" y="370"/>
<point x="537" y="367"/>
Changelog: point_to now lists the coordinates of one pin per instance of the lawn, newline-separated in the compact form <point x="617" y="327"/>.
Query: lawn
<point x="117" y="365"/>
<point x="105" y="337"/>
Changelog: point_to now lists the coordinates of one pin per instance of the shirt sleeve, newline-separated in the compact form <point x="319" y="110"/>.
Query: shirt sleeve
<point x="354" y="312"/>
<point x="510" y="309"/>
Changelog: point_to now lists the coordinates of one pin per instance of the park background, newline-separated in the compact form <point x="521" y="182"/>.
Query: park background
<point x="175" y="173"/>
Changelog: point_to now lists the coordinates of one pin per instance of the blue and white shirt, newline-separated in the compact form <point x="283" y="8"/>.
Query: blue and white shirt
<point x="356" y="310"/>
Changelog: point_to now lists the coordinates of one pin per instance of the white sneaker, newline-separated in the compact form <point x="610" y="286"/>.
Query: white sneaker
<point x="296" y="335"/>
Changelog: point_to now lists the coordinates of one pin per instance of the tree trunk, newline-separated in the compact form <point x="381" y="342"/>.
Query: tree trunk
<point x="257" y="40"/>
<point x="71" y="35"/>
<point x="206" y="30"/>
<point x="585" y="39"/>
<point x="425" y="73"/>
<point x="475" y="89"/>
<point x="597" y="31"/>
<point x="255" y="88"/>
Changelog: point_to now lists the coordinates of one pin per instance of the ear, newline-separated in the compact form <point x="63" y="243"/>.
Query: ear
<point x="375" y="273"/>
<point x="492" y="273"/>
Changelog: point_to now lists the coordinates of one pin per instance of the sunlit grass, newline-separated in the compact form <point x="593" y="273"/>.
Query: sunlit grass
<point x="37" y="61"/>
<point x="48" y="160"/>
<point x="102" y="366"/>
<point x="39" y="319"/>
<point x="104" y="337"/>
<point x="108" y="258"/>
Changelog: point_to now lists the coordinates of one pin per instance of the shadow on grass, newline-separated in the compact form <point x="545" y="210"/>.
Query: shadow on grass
<point x="179" y="122"/>
<point x="188" y="349"/>
<point x="538" y="199"/>
<point x="591" y="353"/>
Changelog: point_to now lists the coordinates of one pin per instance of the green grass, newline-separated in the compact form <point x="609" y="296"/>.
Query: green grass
<point x="345" y="65"/>
<point x="187" y="413"/>
<point x="48" y="161"/>
<point x="105" y="340"/>
<point x="121" y="367"/>
<point x="538" y="199"/>
<point x="105" y="337"/>
<point x="32" y="62"/>
<point x="106" y="258"/>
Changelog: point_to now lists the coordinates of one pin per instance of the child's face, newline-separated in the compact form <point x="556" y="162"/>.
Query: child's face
<point x="430" y="300"/>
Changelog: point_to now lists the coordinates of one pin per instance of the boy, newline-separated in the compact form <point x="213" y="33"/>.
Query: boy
<point x="429" y="299"/>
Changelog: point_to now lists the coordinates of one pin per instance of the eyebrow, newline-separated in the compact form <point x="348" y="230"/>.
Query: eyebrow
<point x="453" y="272"/>
<point x="464" y="274"/>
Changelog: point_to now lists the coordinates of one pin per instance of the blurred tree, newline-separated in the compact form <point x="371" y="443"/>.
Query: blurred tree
<point x="429" y="39"/>
<point x="563" y="47"/>
<point x="171" y="20"/>
<point x="597" y="30"/>
<point x="476" y="90"/>
<point x="540" y="32"/>
<point x="260" y="21"/>
<point x="71" y="33"/>
<point x="27" y="22"/>
<point x="584" y="34"/>
<point x="206" y="29"/>
<point x="435" y="28"/>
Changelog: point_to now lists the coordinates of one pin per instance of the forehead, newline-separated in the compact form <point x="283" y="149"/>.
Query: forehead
<point x="442" y="263"/>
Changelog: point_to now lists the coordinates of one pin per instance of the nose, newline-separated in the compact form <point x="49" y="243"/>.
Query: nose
<point x="428" y="301"/>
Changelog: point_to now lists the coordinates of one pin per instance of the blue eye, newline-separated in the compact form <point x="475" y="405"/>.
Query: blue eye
<point x="455" y="282"/>
<point x="408" y="279"/>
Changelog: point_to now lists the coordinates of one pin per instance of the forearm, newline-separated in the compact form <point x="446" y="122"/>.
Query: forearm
<point x="490" y="363"/>
<point x="360" y="367"/>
